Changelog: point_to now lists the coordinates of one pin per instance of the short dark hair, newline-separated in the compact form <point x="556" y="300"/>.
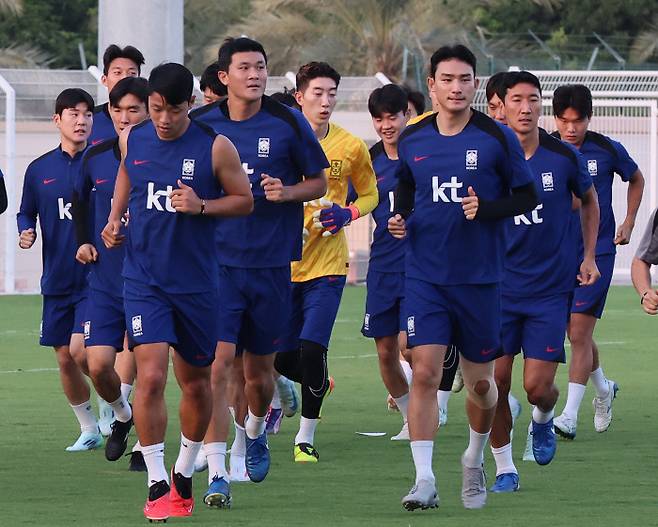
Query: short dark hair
<point x="456" y="51"/>
<point x="512" y="78"/>
<point x="231" y="46"/>
<point x="137" y="86"/>
<point x="387" y="99"/>
<point x="115" y="52"/>
<point x="173" y="81"/>
<point x="70" y="98"/>
<point x="416" y="98"/>
<point x="494" y="85"/>
<point x="285" y="97"/>
<point x="210" y="80"/>
<point x="576" y="96"/>
<point x="315" y="70"/>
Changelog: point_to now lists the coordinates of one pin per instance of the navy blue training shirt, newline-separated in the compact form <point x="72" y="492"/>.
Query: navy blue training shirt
<point x="103" y="127"/>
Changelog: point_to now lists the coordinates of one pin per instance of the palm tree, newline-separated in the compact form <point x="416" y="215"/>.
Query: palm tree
<point x="645" y="44"/>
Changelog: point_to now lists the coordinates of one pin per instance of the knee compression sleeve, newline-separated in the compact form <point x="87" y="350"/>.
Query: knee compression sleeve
<point x="483" y="392"/>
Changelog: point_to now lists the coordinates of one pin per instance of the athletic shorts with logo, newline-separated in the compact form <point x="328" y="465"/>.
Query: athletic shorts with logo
<point x="385" y="314"/>
<point x="536" y="326"/>
<point x="467" y="315"/>
<point x="590" y="299"/>
<point x="254" y="308"/>
<point x="105" y="320"/>
<point x="188" y="322"/>
<point x="62" y="315"/>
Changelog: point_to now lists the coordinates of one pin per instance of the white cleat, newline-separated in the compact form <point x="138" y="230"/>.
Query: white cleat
<point x="474" y="487"/>
<point x="527" y="453"/>
<point x="564" y="426"/>
<point x="458" y="381"/>
<point x="603" y="408"/>
<point x="86" y="441"/>
<point x="422" y="495"/>
<point x="238" y="468"/>
<point x="403" y="435"/>
<point x="200" y="462"/>
<point x="105" y="417"/>
<point x="515" y="407"/>
<point x="288" y="396"/>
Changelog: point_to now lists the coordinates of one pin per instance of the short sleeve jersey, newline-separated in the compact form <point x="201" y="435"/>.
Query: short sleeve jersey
<point x="277" y="141"/>
<point x="97" y="178"/>
<point x="47" y="193"/>
<point x="103" y="127"/>
<point x="647" y="250"/>
<point x="172" y="251"/>
<point x="542" y="247"/>
<point x="444" y="247"/>
<point x="605" y="158"/>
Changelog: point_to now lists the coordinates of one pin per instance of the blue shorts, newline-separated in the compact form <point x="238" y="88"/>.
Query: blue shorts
<point x="315" y="305"/>
<point x="105" y="320"/>
<point x="590" y="300"/>
<point x="62" y="316"/>
<point x="466" y="315"/>
<point x="254" y="308"/>
<point x="536" y="325"/>
<point x="188" y="322"/>
<point x="384" y="305"/>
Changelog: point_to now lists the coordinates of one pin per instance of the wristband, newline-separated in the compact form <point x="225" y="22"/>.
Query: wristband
<point x="203" y="207"/>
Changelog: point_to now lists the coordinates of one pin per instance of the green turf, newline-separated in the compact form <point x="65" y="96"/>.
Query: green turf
<point x="599" y="479"/>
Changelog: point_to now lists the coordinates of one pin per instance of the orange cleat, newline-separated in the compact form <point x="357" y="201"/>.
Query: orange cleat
<point x="181" y="486"/>
<point x="159" y="509"/>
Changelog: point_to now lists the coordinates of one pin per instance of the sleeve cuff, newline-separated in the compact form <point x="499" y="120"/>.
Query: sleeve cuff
<point x="354" y="211"/>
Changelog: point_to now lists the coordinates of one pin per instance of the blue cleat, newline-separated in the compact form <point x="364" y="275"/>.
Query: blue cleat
<point x="258" y="458"/>
<point x="508" y="482"/>
<point x="218" y="494"/>
<point x="544" y="442"/>
<point x="273" y="420"/>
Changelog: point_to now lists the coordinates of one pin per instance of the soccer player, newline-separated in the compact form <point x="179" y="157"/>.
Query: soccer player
<point x="645" y="257"/>
<point x="415" y="102"/>
<point x="572" y="108"/>
<point x="319" y="278"/>
<point x="539" y="274"/>
<point x="171" y="174"/>
<point x="495" y="106"/>
<point x="118" y="63"/>
<point x="285" y="164"/>
<point x="213" y="90"/>
<point x="104" y="326"/>
<point x="460" y="173"/>
<point x="47" y="192"/>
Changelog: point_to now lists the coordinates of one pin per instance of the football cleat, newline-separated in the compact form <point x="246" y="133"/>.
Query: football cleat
<point x="86" y="441"/>
<point x="422" y="496"/>
<point x="305" y="453"/>
<point x="603" y="408"/>
<point x="403" y="435"/>
<point x="218" y="494"/>
<point x="158" y="505"/>
<point x="544" y="442"/>
<point x="474" y="489"/>
<point x="565" y="426"/>
<point x="180" y="496"/>
<point x="257" y="459"/>
<point x="508" y="482"/>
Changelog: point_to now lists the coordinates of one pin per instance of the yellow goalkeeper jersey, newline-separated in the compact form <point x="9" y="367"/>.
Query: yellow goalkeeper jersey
<point x="349" y="161"/>
<point x="414" y="120"/>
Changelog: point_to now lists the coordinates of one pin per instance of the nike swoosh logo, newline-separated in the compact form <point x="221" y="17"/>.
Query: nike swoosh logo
<point x="380" y="179"/>
<point x="578" y="304"/>
<point x="487" y="351"/>
<point x="96" y="142"/>
<point x="550" y="350"/>
<point x="49" y="181"/>
<point x="419" y="158"/>
<point x="101" y="181"/>
<point x="318" y="393"/>
<point x="140" y="161"/>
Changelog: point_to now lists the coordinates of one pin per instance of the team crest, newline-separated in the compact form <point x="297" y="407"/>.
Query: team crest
<point x="87" y="329"/>
<point x="547" y="181"/>
<point x="592" y="167"/>
<point x="471" y="159"/>
<point x="411" y="326"/>
<point x="137" y="326"/>
<point x="188" y="169"/>
<point x="263" y="146"/>
<point x="336" y="168"/>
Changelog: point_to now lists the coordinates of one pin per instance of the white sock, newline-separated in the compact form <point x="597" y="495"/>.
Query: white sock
<point x="600" y="382"/>
<point x="306" y="432"/>
<point x="276" y="400"/>
<point x="137" y="447"/>
<point x="503" y="458"/>
<point x="85" y="414"/>
<point x="403" y="405"/>
<point x="575" y="394"/>
<point x="255" y="425"/>
<point x="442" y="398"/>
<point x="540" y="417"/>
<point x="474" y="454"/>
<point x="122" y="411"/>
<point x="154" y="459"/>
<point x="126" y="390"/>
<point x="406" y="368"/>
<point x="216" y="456"/>
<point x="421" y="451"/>
<point x="239" y="446"/>
<point x="186" y="456"/>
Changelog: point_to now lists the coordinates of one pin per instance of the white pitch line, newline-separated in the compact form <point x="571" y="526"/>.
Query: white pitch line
<point x="366" y="356"/>
<point x="32" y="370"/>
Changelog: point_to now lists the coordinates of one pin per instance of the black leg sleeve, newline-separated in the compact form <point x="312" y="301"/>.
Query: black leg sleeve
<point x="315" y="378"/>
<point x="289" y="364"/>
<point x="450" y="365"/>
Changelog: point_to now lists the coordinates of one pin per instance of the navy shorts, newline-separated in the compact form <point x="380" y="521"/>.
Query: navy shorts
<point x="315" y="305"/>
<point x="254" y="309"/>
<point x="384" y="305"/>
<point x="590" y="300"/>
<point x="188" y="322"/>
<point x="466" y="315"/>
<point x="105" y="320"/>
<point x="62" y="316"/>
<point x="536" y="326"/>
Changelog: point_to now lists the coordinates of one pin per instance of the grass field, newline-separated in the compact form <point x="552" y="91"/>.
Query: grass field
<point x="598" y="479"/>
